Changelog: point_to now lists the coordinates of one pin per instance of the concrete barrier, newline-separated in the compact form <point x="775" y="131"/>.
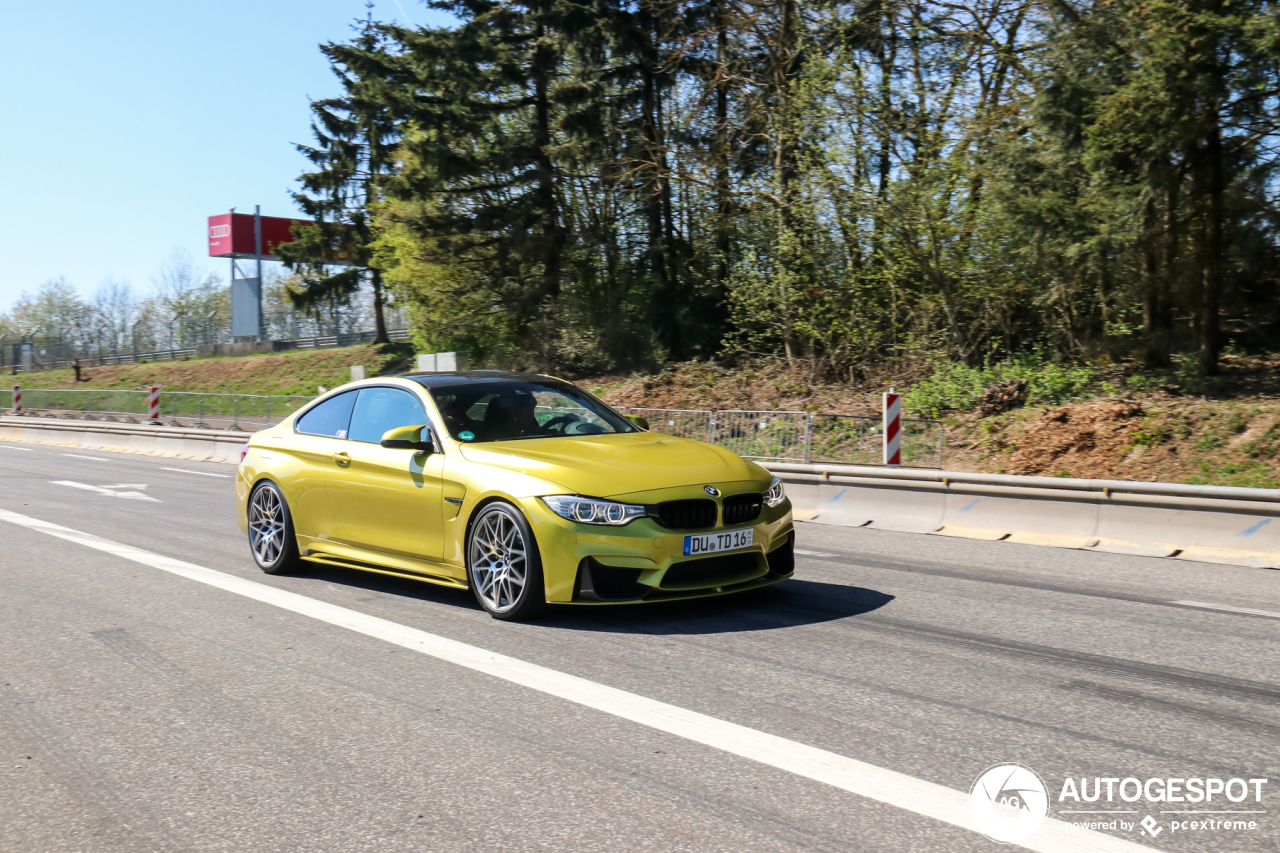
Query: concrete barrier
<point x="1214" y="524"/>
<point x="174" y="442"/>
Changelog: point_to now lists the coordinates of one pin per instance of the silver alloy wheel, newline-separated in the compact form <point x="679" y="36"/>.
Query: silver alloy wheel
<point x="266" y="525"/>
<point x="499" y="562"/>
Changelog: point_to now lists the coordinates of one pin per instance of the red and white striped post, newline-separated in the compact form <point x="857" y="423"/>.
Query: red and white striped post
<point x="892" y="429"/>
<point x="153" y="403"/>
<point x="17" y="399"/>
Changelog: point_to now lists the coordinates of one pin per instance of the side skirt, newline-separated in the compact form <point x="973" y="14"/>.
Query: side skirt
<point x="328" y="560"/>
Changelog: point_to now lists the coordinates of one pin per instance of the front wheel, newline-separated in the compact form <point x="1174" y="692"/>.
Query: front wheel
<point x="271" y="539"/>
<point x="503" y="564"/>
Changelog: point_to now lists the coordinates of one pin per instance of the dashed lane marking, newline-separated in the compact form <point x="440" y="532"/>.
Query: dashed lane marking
<point x="1225" y="608"/>
<point x="94" y="458"/>
<point x="918" y="796"/>
<point x="193" y="471"/>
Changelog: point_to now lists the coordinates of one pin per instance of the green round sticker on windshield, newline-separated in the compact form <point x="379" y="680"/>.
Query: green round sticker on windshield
<point x="466" y="436"/>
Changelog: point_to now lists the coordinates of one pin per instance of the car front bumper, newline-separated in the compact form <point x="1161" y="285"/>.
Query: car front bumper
<point x="642" y="561"/>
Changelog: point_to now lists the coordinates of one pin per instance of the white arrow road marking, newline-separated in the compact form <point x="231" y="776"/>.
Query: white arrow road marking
<point x="110" y="491"/>
<point x="848" y="774"/>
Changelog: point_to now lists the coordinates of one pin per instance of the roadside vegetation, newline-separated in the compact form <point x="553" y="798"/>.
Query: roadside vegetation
<point x="290" y="372"/>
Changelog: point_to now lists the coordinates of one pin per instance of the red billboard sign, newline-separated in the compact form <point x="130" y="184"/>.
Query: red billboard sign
<point x="231" y="235"/>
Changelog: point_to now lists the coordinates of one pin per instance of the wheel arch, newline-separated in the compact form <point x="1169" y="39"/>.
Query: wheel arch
<point x="486" y="501"/>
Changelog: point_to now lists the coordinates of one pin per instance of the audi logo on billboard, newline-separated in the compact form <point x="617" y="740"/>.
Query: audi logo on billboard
<point x="216" y="231"/>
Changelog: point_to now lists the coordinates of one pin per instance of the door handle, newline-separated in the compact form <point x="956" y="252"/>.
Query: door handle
<point x="342" y="458"/>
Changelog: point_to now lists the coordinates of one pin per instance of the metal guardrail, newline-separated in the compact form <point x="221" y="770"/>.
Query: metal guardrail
<point x="776" y="436"/>
<point x="835" y="472"/>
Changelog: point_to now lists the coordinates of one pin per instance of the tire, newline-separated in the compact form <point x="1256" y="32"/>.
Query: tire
<point x="504" y="568"/>
<point x="271" y="538"/>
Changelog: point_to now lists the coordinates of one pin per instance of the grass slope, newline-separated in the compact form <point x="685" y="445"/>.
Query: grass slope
<point x="1109" y="423"/>
<point x="291" y="372"/>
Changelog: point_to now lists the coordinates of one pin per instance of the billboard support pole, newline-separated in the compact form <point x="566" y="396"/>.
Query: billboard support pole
<point x="257" y="250"/>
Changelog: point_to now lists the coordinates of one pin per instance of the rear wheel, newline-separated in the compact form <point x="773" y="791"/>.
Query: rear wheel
<point x="271" y="538"/>
<point x="503" y="564"/>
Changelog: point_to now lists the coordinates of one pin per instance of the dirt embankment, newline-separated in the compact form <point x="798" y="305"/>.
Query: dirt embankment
<point x="706" y="386"/>
<point x="1166" y="439"/>
<point x="1162" y="434"/>
<point x="1165" y="434"/>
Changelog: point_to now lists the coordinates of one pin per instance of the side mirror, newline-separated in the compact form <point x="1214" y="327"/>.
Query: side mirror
<point x="643" y="423"/>
<point x="417" y="438"/>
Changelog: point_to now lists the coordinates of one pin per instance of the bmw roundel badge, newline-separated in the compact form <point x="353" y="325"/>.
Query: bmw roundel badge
<point x="711" y="490"/>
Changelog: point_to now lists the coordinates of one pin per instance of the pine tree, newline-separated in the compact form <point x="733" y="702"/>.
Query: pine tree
<point x="356" y="136"/>
<point x="478" y="153"/>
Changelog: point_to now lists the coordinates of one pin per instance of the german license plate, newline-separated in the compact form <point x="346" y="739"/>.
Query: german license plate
<point x="711" y="543"/>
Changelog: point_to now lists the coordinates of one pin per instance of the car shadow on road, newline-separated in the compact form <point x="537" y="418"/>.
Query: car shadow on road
<point x="786" y="605"/>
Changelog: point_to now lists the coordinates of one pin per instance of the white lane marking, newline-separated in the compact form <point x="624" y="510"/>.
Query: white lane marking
<point x="11" y="447"/>
<point x="865" y="780"/>
<point x="193" y="471"/>
<point x="815" y="553"/>
<point x="1228" y="609"/>
<point x="113" y="491"/>
<point x="94" y="458"/>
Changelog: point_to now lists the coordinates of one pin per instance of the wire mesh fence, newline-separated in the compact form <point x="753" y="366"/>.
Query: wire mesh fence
<point x="779" y="436"/>
<point x="58" y="354"/>
<point x="245" y="412"/>
<point x="685" y="423"/>
<point x="766" y="435"/>
<point x="849" y="440"/>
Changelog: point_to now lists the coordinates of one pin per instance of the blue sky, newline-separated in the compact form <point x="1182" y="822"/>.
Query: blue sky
<point x="127" y="124"/>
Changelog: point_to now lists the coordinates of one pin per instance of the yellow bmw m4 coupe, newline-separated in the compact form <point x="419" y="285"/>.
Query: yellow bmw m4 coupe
<point x="524" y="489"/>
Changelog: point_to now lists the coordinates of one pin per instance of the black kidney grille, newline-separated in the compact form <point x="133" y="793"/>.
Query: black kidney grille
<point x="740" y="509"/>
<point x="685" y="515"/>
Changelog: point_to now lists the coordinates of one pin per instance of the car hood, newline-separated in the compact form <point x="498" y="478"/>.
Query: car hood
<point x="607" y="465"/>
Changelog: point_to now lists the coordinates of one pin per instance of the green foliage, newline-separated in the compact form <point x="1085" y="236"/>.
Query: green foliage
<point x="1253" y="474"/>
<point x="835" y="183"/>
<point x="953" y="386"/>
<point x="355" y="137"/>
<point x="1152" y="435"/>
<point x="1265" y="446"/>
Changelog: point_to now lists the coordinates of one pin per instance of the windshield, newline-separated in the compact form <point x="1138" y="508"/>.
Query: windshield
<point x="506" y="411"/>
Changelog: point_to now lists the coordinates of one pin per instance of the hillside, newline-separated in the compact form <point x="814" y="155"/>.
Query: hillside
<point x="290" y="372"/>
<point x="1115" y="422"/>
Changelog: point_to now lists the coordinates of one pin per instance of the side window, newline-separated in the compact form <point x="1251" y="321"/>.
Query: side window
<point x="331" y="417"/>
<point x="381" y="409"/>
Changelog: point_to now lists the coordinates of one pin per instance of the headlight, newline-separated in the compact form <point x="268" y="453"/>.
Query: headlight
<point x="775" y="495"/>
<point x="593" y="510"/>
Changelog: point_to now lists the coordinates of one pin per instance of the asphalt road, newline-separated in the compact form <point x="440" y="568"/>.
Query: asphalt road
<point x="142" y="711"/>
